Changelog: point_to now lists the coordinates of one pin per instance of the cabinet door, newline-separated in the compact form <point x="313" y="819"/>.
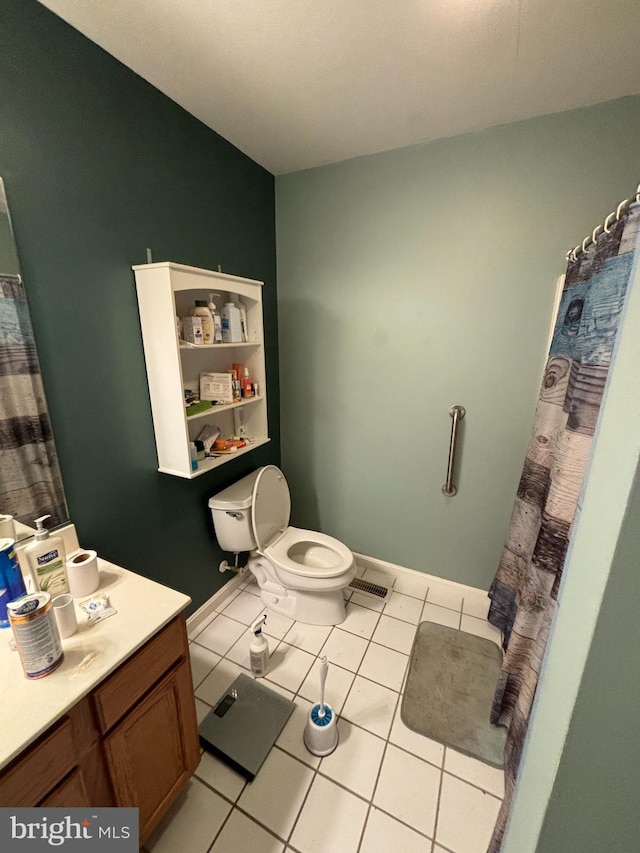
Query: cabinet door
<point x="69" y="794"/>
<point x="153" y="752"/>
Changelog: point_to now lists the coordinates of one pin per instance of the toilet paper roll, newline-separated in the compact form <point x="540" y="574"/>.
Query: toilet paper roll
<point x="83" y="574"/>
<point x="7" y="530"/>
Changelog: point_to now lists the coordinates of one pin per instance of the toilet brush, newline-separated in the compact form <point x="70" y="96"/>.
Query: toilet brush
<point x="321" y="732"/>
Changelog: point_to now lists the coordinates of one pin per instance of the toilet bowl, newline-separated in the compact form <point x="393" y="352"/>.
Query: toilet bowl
<point x="300" y="573"/>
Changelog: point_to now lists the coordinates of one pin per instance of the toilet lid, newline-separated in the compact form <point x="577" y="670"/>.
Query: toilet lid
<point x="271" y="503"/>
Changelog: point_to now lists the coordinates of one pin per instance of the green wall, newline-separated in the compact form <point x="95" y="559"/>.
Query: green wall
<point x="98" y="165"/>
<point x="594" y="804"/>
<point x="416" y="279"/>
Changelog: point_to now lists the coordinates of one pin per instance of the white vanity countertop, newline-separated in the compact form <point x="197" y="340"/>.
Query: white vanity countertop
<point x="28" y="707"/>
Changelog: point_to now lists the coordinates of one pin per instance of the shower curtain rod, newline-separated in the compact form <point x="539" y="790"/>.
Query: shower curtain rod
<point x="572" y="254"/>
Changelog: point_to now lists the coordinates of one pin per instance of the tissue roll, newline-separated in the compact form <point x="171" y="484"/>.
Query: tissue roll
<point x="82" y="572"/>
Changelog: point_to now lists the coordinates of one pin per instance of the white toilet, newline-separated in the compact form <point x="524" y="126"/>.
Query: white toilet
<point x="301" y="573"/>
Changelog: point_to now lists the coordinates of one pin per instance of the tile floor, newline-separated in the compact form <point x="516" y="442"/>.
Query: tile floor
<point x="385" y="787"/>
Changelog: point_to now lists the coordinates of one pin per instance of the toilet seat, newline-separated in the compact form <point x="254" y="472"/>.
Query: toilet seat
<point x="309" y="554"/>
<point x="302" y="553"/>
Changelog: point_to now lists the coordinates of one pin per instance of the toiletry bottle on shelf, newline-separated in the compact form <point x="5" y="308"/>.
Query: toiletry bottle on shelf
<point x="47" y="561"/>
<point x="217" y="320"/>
<point x="259" y="648"/>
<point x="247" y="385"/>
<point x="193" y="452"/>
<point x="202" y="310"/>
<point x="243" y="314"/>
<point x="231" y="326"/>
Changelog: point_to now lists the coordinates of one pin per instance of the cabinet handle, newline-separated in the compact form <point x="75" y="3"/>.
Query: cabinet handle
<point x="457" y="413"/>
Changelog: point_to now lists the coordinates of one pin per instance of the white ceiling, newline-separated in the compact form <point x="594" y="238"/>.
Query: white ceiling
<point x="299" y="83"/>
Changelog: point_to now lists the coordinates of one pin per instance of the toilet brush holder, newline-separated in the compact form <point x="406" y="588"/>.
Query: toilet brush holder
<point x="321" y="732"/>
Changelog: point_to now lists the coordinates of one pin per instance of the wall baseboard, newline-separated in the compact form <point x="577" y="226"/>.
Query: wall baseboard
<point x="206" y="610"/>
<point x="382" y="565"/>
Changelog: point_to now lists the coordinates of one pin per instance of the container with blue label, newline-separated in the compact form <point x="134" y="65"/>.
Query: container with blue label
<point x="36" y="634"/>
<point x="11" y="580"/>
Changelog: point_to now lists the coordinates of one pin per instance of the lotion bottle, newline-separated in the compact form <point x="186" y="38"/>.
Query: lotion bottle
<point x="231" y="325"/>
<point x="243" y="314"/>
<point x="47" y="561"/>
<point x="259" y="648"/>
<point x="217" y="320"/>
<point x="202" y="310"/>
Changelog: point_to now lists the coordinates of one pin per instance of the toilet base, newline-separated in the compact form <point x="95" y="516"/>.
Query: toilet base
<point x="313" y="608"/>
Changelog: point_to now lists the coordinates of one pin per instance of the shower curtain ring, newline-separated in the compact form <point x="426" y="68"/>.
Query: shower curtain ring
<point x="638" y="195"/>
<point x="584" y="243"/>
<point x="607" y="230"/>
<point x="594" y="236"/>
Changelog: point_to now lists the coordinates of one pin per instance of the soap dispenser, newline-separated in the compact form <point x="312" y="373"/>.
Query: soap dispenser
<point x="47" y="561"/>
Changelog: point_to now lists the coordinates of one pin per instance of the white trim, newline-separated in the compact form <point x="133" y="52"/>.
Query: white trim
<point x="210" y="606"/>
<point x="383" y="565"/>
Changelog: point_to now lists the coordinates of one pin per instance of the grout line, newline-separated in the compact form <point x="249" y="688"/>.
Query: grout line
<point x="438" y="801"/>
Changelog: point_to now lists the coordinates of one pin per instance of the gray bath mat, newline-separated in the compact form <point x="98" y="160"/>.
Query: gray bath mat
<point x="450" y="686"/>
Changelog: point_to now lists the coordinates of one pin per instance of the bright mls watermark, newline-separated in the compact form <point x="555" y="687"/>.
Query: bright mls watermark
<point x="79" y="830"/>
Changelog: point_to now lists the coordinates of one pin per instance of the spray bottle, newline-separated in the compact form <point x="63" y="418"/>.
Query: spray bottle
<point x="259" y="648"/>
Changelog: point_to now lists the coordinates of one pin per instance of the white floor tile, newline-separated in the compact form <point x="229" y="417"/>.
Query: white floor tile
<point x="221" y="634"/>
<point x="202" y="662"/>
<point x="360" y="621"/>
<point x="395" y="634"/>
<point x="384" y="666"/>
<point x="370" y="706"/>
<point x="244" y="607"/>
<point x="445" y="596"/>
<point x="276" y="794"/>
<point x="212" y="689"/>
<point x="344" y="649"/>
<point x="191" y="823"/>
<point x="337" y="686"/>
<point x="239" y="652"/>
<point x="331" y="820"/>
<point x="408" y="789"/>
<point x="202" y="709"/>
<point x="192" y="633"/>
<point x="309" y="638"/>
<point x="368" y="601"/>
<point x="441" y="615"/>
<point x="241" y="835"/>
<point x="356" y="760"/>
<point x="291" y="737"/>
<point x="481" y="628"/>
<point x="289" y="666"/>
<point x="476" y="604"/>
<point x="488" y="778"/>
<point x="276" y="625"/>
<point x="220" y="776"/>
<point x="415" y="743"/>
<point x="384" y="834"/>
<point x="412" y="585"/>
<point x="480" y="810"/>
<point x="403" y="607"/>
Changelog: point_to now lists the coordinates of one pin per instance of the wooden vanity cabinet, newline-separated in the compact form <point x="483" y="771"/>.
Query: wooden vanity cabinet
<point x="133" y="741"/>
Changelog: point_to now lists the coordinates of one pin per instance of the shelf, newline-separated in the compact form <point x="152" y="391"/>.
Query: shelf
<point x="210" y="463"/>
<point x="223" y="408"/>
<point x="166" y="291"/>
<point x="199" y="347"/>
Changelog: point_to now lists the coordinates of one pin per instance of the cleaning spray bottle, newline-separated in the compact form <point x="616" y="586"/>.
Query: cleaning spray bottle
<point x="259" y="648"/>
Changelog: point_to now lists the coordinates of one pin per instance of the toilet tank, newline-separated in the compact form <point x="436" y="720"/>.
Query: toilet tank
<point x="231" y="512"/>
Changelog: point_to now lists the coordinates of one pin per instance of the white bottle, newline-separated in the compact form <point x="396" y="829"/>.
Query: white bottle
<point x="217" y="320"/>
<point x="259" y="648"/>
<point x="243" y="314"/>
<point x="47" y="561"/>
<point x="202" y="310"/>
<point x="231" y="325"/>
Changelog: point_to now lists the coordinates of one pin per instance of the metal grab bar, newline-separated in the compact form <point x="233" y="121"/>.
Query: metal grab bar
<point x="457" y="413"/>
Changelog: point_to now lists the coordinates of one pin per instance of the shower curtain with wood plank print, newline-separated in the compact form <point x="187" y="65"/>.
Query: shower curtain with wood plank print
<point x="524" y="592"/>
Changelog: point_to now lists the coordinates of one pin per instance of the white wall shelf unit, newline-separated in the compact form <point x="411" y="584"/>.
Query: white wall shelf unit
<point x="166" y="290"/>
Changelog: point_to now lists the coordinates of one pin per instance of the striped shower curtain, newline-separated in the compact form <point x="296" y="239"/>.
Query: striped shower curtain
<point x="30" y="481"/>
<point x="524" y="593"/>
